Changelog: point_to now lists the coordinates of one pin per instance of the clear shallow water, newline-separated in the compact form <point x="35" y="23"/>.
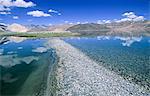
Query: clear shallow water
<point x="127" y="56"/>
<point x="25" y="63"/>
<point x="24" y="66"/>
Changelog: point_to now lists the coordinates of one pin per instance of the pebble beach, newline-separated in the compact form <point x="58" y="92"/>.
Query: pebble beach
<point x="78" y="75"/>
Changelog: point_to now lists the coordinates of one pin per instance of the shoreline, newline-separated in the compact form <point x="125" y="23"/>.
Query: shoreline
<point x="78" y="75"/>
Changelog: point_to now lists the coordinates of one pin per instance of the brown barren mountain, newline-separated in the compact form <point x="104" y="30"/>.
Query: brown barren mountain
<point x="122" y="28"/>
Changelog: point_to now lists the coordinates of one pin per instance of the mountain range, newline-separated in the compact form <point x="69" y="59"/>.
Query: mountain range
<point x="122" y="28"/>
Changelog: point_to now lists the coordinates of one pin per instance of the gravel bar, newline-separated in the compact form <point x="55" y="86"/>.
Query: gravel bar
<point x="78" y="75"/>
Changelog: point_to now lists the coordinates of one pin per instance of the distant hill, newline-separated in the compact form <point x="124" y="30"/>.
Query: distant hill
<point x="130" y="28"/>
<point x="60" y="28"/>
<point x="34" y="28"/>
<point x="90" y="29"/>
<point x="17" y="28"/>
<point x="13" y="28"/>
<point x="122" y="28"/>
<point x="52" y="28"/>
<point x="37" y="28"/>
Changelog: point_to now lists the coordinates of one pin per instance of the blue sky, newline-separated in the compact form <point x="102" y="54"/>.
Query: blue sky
<point x="71" y="11"/>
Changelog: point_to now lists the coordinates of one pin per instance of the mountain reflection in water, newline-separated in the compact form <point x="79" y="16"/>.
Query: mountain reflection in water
<point x="26" y="63"/>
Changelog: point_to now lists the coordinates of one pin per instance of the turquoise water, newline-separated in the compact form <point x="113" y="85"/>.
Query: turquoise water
<point x="127" y="56"/>
<point x="25" y="63"/>
<point x="24" y="66"/>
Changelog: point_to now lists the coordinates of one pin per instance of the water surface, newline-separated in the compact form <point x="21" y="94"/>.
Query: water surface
<point x="25" y="63"/>
<point x="24" y="66"/>
<point x="127" y="56"/>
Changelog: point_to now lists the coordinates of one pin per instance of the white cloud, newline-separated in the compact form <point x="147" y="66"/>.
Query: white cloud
<point x="103" y="21"/>
<point x="128" y="16"/>
<point x="16" y="3"/>
<point x="131" y="16"/>
<point x="99" y="22"/>
<point x="59" y="14"/>
<point x="15" y="17"/>
<point x="107" y="21"/>
<point x="124" y="19"/>
<point x="50" y="24"/>
<point x="5" y="13"/>
<point x="78" y="22"/>
<point x="22" y="3"/>
<point x="1" y="23"/>
<point x="70" y="23"/>
<point x="6" y="5"/>
<point x="66" y="21"/>
<point x="38" y="13"/>
<point x="54" y="11"/>
<point x="139" y="18"/>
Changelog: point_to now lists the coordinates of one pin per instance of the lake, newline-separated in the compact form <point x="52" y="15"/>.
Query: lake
<point x="24" y="66"/>
<point x="26" y="63"/>
<point x="127" y="56"/>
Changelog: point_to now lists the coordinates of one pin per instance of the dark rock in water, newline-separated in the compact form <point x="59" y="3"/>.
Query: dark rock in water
<point x="3" y="40"/>
<point x="3" y="27"/>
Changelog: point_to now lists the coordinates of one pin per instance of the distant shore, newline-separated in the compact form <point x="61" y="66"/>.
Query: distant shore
<point x="59" y="34"/>
<point x="38" y="35"/>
